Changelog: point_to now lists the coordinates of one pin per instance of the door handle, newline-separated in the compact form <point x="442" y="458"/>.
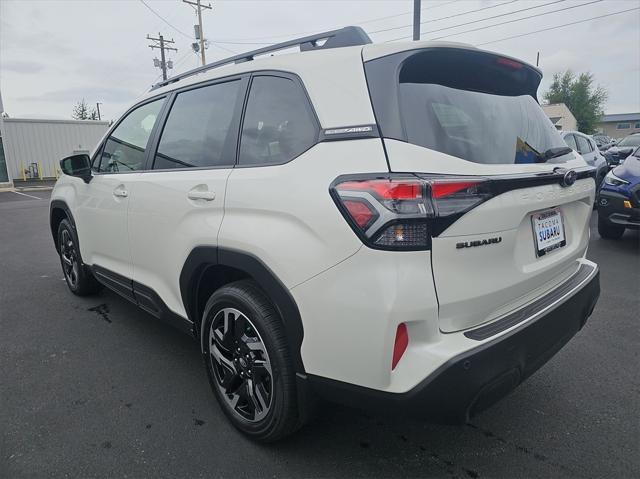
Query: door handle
<point x="120" y="192"/>
<point x="205" y="195"/>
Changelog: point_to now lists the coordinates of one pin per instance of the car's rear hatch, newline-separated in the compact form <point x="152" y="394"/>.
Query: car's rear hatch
<point x="461" y="113"/>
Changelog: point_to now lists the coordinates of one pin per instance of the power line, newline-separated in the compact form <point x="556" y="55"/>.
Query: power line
<point x="482" y="19"/>
<point x="225" y="49"/>
<point x="165" y="21"/>
<point x="180" y="31"/>
<point x="558" y="26"/>
<point x="247" y="41"/>
<point x="450" y="16"/>
<point x="516" y="20"/>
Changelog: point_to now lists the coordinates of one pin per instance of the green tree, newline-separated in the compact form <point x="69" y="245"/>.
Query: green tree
<point x="585" y="100"/>
<point x="82" y="112"/>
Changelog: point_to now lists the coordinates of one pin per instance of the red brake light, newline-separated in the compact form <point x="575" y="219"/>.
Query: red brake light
<point x="440" y="190"/>
<point x="507" y="62"/>
<point x="360" y="212"/>
<point x="387" y="189"/>
<point x="402" y="211"/>
<point x="400" y="344"/>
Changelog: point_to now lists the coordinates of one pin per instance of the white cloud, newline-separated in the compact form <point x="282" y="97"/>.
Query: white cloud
<point x="53" y="53"/>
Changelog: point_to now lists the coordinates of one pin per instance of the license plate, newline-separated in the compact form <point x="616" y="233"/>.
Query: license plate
<point x="548" y="231"/>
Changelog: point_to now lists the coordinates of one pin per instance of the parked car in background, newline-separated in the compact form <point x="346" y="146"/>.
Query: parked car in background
<point x="604" y="142"/>
<point x="622" y="149"/>
<point x="619" y="198"/>
<point x="587" y="147"/>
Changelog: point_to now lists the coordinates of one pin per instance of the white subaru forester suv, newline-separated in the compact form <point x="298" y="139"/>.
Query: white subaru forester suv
<point x="387" y="226"/>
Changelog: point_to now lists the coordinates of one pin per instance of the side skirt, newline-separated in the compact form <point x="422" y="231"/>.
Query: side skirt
<point x="143" y="297"/>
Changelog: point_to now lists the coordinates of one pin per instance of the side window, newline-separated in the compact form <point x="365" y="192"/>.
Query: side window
<point x="198" y="130"/>
<point x="278" y="123"/>
<point x="124" y="149"/>
<point x="571" y="142"/>
<point x="583" y="145"/>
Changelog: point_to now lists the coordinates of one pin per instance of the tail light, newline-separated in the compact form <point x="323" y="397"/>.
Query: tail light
<point x="403" y="212"/>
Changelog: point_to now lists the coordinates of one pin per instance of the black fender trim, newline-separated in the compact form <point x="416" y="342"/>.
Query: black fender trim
<point x="203" y="257"/>
<point x="60" y="205"/>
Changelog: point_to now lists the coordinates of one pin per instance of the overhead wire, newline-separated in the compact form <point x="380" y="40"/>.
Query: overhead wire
<point x="453" y="16"/>
<point x="248" y="41"/>
<point x="515" y="20"/>
<point x="558" y="26"/>
<point x="165" y="20"/>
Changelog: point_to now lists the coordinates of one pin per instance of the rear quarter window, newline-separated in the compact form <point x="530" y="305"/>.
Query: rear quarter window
<point x="278" y="124"/>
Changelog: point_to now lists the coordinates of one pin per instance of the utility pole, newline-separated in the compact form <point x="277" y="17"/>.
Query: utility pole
<point x="98" y="108"/>
<point x="163" y="64"/>
<point x="416" y="20"/>
<point x="538" y="59"/>
<point x="199" y="8"/>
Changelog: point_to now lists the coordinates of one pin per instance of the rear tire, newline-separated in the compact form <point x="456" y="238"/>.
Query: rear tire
<point x="608" y="230"/>
<point x="249" y="363"/>
<point x="79" y="278"/>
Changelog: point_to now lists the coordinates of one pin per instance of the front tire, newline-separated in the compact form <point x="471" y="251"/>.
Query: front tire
<point x="78" y="277"/>
<point x="608" y="230"/>
<point x="248" y="362"/>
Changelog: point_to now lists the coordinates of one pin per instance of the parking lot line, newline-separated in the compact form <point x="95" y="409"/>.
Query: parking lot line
<point x="24" y="194"/>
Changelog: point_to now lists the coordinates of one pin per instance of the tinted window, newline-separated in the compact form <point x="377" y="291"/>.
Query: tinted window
<point x="623" y="126"/>
<point x="124" y="149"/>
<point x="632" y="140"/>
<point x="583" y="145"/>
<point x="198" y="130"/>
<point x="471" y="105"/>
<point x="571" y="142"/>
<point x="278" y="123"/>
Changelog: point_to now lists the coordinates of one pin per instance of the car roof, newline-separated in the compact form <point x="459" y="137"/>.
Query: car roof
<point x="338" y="103"/>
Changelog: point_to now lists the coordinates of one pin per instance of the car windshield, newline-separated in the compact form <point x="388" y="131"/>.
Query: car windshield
<point x="633" y="140"/>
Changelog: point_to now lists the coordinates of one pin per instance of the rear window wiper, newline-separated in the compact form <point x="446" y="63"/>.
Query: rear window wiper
<point x="553" y="153"/>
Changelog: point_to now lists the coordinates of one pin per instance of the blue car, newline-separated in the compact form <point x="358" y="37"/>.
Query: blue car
<point x="619" y="198"/>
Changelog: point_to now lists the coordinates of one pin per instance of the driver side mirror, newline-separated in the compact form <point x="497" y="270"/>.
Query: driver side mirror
<point x="78" y="166"/>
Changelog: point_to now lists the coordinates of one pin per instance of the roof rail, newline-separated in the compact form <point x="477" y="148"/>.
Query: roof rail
<point x="343" y="37"/>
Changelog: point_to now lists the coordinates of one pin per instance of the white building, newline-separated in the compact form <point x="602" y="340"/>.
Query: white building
<point x="33" y="148"/>
<point x="561" y="116"/>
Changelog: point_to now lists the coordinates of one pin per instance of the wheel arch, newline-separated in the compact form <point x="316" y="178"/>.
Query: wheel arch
<point x="58" y="211"/>
<point x="216" y="267"/>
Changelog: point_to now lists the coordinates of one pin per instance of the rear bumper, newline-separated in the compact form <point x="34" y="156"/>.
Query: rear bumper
<point x="475" y="379"/>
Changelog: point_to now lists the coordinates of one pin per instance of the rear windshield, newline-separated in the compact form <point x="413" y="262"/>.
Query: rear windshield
<point x="632" y="140"/>
<point x="468" y="104"/>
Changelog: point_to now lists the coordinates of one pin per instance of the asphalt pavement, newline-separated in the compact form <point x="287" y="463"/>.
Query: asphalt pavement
<point x="94" y="387"/>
